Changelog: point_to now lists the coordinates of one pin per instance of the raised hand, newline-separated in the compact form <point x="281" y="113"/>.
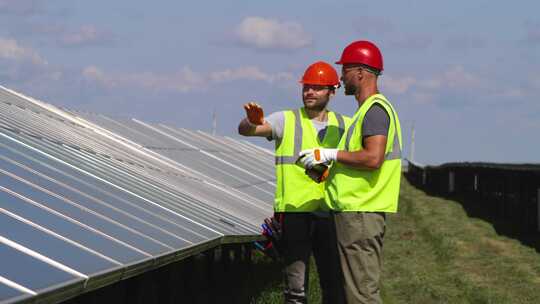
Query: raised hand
<point x="254" y="113"/>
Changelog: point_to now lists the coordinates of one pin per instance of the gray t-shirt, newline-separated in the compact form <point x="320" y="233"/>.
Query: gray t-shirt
<point x="376" y="122"/>
<point x="277" y="121"/>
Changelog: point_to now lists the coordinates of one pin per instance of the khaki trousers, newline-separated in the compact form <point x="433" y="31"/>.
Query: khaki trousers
<point x="360" y="242"/>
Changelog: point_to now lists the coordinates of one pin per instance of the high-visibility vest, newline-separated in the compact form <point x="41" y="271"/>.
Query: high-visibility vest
<point x="295" y="191"/>
<point x="350" y="189"/>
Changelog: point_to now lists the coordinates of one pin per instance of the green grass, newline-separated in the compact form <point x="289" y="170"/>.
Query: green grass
<point x="435" y="253"/>
<point x="273" y="292"/>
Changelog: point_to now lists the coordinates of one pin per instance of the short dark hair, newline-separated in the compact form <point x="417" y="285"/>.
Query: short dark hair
<point x="372" y="70"/>
<point x="368" y="68"/>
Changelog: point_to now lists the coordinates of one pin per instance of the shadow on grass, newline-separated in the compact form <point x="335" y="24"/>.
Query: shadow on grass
<point x="477" y="207"/>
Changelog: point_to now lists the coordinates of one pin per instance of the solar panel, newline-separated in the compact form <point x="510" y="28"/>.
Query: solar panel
<point x="228" y="153"/>
<point x="101" y="167"/>
<point x="8" y="292"/>
<point x="84" y="196"/>
<point x="52" y="245"/>
<point x="82" y="165"/>
<point x="87" y="236"/>
<point x="103" y="196"/>
<point x="211" y="162"/>
<point x="39" y="275"/>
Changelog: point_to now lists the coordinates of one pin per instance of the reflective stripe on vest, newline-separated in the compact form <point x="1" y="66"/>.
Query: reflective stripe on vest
<point x="298" y="135"/>
<point x="295" y="191"/>
<point x="396" y="149"/>
<point x="351" y="189"/>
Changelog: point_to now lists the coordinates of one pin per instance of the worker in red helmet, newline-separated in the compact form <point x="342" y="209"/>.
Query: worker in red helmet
<point x="299" y="200"/>
<point x="363" y="184"/>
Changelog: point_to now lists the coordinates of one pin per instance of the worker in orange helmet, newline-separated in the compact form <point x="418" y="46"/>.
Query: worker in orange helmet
<point x="364" y="180"/>
<point x="299" y="199"/>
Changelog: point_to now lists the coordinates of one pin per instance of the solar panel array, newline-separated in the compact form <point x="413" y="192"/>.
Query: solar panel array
<point x="86" y="199"/>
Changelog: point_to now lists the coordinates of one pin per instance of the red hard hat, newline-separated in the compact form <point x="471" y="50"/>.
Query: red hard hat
<point x="362" y="52"/>
<point x="320" y="73"/>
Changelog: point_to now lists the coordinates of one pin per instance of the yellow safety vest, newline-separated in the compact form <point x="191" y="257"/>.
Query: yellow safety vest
<point x="295" y="191"/>
<point x="350" y="189"/>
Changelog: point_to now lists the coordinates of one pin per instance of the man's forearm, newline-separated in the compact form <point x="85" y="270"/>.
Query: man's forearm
<point x="371" y="157"/>
<point x="363" y="160"/>
<point x="248" y="129"/>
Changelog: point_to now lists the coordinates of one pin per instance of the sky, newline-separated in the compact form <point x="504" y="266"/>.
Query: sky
<point x="466" y="74"/>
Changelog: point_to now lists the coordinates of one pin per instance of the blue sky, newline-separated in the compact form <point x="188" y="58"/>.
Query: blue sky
<point x="467" y="73"/>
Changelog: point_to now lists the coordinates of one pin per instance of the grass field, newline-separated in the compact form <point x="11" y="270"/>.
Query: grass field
<point x="435" y="253"/>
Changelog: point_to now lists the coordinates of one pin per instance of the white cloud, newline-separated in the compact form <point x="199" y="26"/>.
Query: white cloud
<point x="460" y="84"/>
<point x="23" y="68"/>
<point x="248" y="73"/>
<point x="455" y="77"/>
<point x="431" y="84"/>
<point x="93" y="73"/>
<point x="423" y="98"/>
<point x="185" y="80"/>
<point x="265" y="33"/>
<point x="397" y="85"/>
<point x="86" y="36"/>
<point x="11" y="50"/>
<point x="458" y="77"/>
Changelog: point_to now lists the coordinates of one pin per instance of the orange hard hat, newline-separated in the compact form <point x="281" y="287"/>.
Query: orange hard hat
<point x="320" y="73"/>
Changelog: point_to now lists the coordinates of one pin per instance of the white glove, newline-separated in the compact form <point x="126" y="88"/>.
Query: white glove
<point x="312" y="157"/>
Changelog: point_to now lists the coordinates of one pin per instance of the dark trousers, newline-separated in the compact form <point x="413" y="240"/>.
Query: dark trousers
<point x="305" y="233"/>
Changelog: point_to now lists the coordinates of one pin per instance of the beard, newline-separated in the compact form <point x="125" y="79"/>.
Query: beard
<point x="319" y="105"/>
<point x="350" y="89"/>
